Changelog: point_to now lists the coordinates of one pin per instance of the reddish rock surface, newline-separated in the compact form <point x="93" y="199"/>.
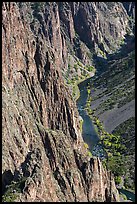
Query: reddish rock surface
<point x="41" y="138"/>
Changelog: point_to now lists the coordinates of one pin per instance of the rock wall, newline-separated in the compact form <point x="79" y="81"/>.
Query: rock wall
<point x="42" y="146"/>
<point x="100" y="25"/>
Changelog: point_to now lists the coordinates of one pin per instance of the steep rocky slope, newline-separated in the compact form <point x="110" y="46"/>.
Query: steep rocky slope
<point x="43" y="156"/>
<point x="113" y="102"/>
<point x="78" y="30"/>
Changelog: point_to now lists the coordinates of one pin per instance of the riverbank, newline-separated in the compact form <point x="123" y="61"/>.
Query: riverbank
<point x="129" y="196"/>
<point x="77" y="82"/>
<point x="102" y="149"/>
<point x="89" y="132"/>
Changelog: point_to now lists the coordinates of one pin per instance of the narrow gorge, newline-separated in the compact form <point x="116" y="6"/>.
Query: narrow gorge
<point x="48" y="48"/>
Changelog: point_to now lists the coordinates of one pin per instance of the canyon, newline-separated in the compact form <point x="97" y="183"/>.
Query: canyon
<point x="45" y="44"/>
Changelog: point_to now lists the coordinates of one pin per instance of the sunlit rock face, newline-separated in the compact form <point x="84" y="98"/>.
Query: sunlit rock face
<point x="41" y="137"/>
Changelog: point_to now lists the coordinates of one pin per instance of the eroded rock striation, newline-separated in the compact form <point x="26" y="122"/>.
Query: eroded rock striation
<point x="43" y="149"/>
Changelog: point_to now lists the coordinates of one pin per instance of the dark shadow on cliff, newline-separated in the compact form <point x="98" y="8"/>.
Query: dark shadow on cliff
<point x="125" y="49"/>
<point x="7" y="177"/>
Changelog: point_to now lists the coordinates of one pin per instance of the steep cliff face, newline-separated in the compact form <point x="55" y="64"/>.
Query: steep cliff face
<point x="44" y="158"/>
<point x="97" y="24"/>
<point x="78" y="28"/>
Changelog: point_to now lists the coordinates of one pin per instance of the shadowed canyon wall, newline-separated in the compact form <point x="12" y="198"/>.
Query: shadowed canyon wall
<point x="41" y="139"/>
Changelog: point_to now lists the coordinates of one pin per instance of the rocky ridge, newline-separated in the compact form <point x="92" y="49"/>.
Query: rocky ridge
<point x="43" y="149"/>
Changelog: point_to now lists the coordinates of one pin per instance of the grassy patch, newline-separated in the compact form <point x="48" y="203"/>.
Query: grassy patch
<point x="13" y="190"/>
<point x="81" y="124"/>
<point x="87" y="147"/>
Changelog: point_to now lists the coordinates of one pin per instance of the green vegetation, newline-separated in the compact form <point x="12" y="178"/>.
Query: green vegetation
<point x="81" y="123"/>
<point x="69" y="81"/>
<point x="115" y="161"/>
<point x="74" y="80"/>
<point x="37" y="6"/>
<point x="119" y="145"/>
<point x="115" y="87"/>
<point x="127" y="132"/>
<point x="89" y="154"/>
<point x="117" y="165"/>
<point x="90" y="68"/>
<point x="113" y="146"/>
<point x="9" y="197"/>
<point x="102" y="53"/>
<point x="76" y="67"/>
<point x="123" y="196"/>
<point x="122" y="41"/>
<point x="75" y="91"/>
<point x="88" y="90"/>
<point x="119" y="97"/>
<point x="117" y="84"/>
<point x="117" y="73"/>
<point x="118" y="180"/>
<point x="69" y="66"/>
<point x="13" y="190"/>
<point x="87" y="147"/>
<point x="75" y="74"/>
<point x="80" y="64"/>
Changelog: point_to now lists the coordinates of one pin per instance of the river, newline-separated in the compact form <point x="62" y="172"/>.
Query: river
<point x="89" y="133"/>
<point x="130" y="195"/>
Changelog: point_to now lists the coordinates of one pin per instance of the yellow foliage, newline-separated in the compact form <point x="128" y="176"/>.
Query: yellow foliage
<point x="86" y="145"/>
